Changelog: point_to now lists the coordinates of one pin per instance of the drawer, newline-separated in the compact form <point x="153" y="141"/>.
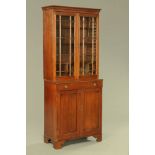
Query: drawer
<point x="66" y="86"/>
<point x="79" y="85"/>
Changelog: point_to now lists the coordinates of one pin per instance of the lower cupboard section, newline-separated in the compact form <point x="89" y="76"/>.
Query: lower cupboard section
<point x="76" y="114"/>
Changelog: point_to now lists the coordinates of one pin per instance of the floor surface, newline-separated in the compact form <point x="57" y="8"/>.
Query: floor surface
<point x="115" y="142"/>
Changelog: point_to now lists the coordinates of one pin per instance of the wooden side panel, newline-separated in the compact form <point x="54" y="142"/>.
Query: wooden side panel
<point x="91" y="115"/>
<point x="68" y="114"/>
<point x="50" y="111"/>
<point x="47" y="44"/>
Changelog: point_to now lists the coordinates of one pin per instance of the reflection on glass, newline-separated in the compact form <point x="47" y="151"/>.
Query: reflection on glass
<point x="87" y="45"/>
<point x="64" y="45"/>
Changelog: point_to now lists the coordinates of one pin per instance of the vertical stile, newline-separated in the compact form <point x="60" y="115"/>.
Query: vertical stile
<point x="70" y="39"/>
<point x="97" y="46"/>
<point x="92" y="44"/>
<point x="83" y="47"/>
<point x="59" y="45"/>
<point x="76" y="45"/>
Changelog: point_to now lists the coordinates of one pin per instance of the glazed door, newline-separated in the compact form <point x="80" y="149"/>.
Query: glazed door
<point x="88" y="45"/>
<point x="91" y="115"/>
<point x="65" y="45"/>
<point x="68" y="114"/>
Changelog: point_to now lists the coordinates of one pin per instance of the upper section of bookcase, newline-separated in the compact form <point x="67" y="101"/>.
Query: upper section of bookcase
<point x="70" y="8"/>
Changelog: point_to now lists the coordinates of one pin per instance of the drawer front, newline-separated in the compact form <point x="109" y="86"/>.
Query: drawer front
<point x="79" y="85"/>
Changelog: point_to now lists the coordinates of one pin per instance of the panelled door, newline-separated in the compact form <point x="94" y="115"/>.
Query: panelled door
<point x="68" y="114"/>
<point x="91" y="113"/>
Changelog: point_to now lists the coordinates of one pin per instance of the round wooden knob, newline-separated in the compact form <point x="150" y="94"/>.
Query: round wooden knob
<point x="94" y="84"/>
<point x="65" y="86"/>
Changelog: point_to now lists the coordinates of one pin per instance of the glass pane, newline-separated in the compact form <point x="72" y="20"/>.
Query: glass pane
<point x="87" y="45"/>
<point x="64" y="45"/>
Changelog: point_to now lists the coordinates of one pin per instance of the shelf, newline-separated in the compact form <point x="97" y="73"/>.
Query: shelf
<point x="62" y="71"/>
<point x="65" y="54"/>
<point x="66" y="27"/>
<point x="64" y="20"/>
<point x="88" y="62"/>
<point x="64" y="44"/>
<point x="87" y="44"/>
<point x="90" y="28"/>
<point x="89" y="54"/>
<point x="64" y="63"/>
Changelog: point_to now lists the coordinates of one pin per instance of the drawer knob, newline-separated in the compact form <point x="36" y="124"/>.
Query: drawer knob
<point x="65" y="86"/>
<point x="94" y="84"/>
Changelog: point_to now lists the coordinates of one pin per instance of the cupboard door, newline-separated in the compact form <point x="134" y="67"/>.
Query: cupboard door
<point x="91" y="115"/>
<point x="65" y="30"/>
<point x="68" y="114"/>
<point x="88" y="28"/>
